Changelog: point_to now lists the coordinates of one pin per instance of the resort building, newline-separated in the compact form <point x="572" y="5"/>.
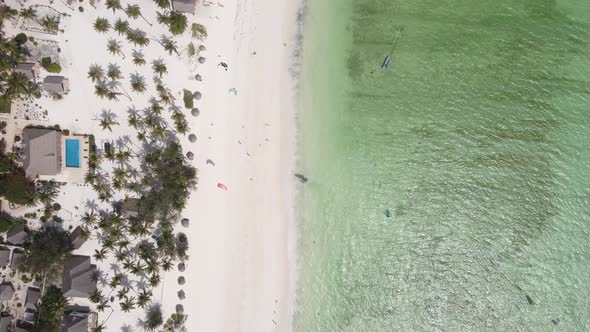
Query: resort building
<point x="78" y="279"/>
<point x="42" y="152"/>
<point x="77" y="238"/>
<point x="30" y="70"/>
<point x="33" y="297"/>
<point x="17" y="256"/>
<point x="130" y="208"/>
<point x="17" y="234"/>
<point x="185" y="6"/>
<point x="56" y="84"/>
<point x="6" y="291"/>
<point x="4" y="257"/>
<point x="73" y="323"/>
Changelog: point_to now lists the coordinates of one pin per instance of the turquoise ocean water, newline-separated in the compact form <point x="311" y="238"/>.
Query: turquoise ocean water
<point x="477" y="139"/>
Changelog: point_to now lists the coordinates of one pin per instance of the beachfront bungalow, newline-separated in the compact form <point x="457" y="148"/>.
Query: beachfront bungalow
<point x="4" y="257"/>
<point x="74" y="323"/>
<point x="30" y="70"/>
<point x="78" y="279"/>
<point x="17" y="257"/>
<point x="77" y="238"/>
<point x="56" y="84"/>
<point x="42" y="152"/>
<point x="6" y="291"/>
<point x="130" y="208"/>
<point x="17" y="235"/>
<point x="185" y="6"/>
<point x="33" y="297"/>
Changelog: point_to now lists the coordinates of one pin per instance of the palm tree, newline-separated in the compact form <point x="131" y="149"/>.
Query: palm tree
<point x="47" y="191"/>
<point x="114" y="72"/>
<point x="137" y="37"/>
<point x="178" y="22"/>
<point x="99" y="328"/>
<point x="50" y="23"/>
<point x="102" y="25"/>
<point x="167" y="264"/>
<point x="121" y="26"/>
<point x="114" y="5"/>
<point x="107" y="120"/>
<point x="133" y="120"/>
<point x="159" y="67"/>
<point x="154" y="280"/>
<point x="114" y="47"/>
<point x="134" y="12"/>
<point x="95" y="73"/>
<point x="95" y="296"/>
<point x="89" y="218"/>
<point x="101" y="254"/>
<point x="102" y="306"/>
<point x="141" y="135"/>
<point x="29" y="14"/>
<point x="163" y="3"/>
<point x="138" y="58"/>
<point x="138" y="83"/>
<point x="143" y="298"/>
<point x="6" y="12"/>
<point x="18" y="85"/>
<point x="128" y="304"/>
<point x="101" y="90"/>
<point x="169" y="45"/>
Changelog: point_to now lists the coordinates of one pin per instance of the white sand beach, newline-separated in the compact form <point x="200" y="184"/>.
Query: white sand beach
<point x="240" y="275"/>
<point x="242" y="259"/>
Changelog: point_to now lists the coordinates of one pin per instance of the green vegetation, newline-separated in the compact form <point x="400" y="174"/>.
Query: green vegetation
<point x="15" y="186"/>
<point x="121" y="26"/>
<point x="51" y="309"/>
<point x="175" y="20"/>
<point x="5" y="102"/>
<point x="7" y="221"/>
<point x="187" y="97"/>
<point x="198" y="31"/>
<point x="50" y="23"/>
<point x="47" y="252"/>
<point x="50" y="66"/>
<point x="153" y="317"/>
<point x="114" y="5"/>
<point x="175" y="323"/>
<point x="102" y="25"/>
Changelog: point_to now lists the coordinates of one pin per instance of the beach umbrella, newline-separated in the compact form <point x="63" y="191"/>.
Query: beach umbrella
<point x="181" y="280"/>
<point x="190" y="155"/>
<point x="181" y="267"/>
<point x="184" y="222"/>
<point x="195" y="112"/>
<point x="197" y="95"/>
<point x="198" y="77"/>
<point x="179" y="309"/>
<point x="221" y="186"/>
<point x="181" y="294"/>
<point x="202" y="48"/>
<point x="192" y="138"/>
<point x="202" y="60"/>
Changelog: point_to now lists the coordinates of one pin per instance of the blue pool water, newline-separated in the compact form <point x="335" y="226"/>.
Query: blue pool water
<point x="72" y="153"/>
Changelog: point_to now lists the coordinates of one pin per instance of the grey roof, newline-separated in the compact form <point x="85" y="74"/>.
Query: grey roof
<point x="130" y="207"/>
<point x="77" y="238"/>
<point x="6" y="291"/>
<point x="26" y="69"/>
<point x="33" y="296"/>
<point x="17" y="234"/>
<point x="4" y="257"/>
<point x="5" y="323"/>
<point x="42" y="152"/>
<point x="55" y="84"/>
<point x="17" y="256"/>
<point x="74" y="324"/>
<point x="78" y="278"/>
<point x="185" y="6"/>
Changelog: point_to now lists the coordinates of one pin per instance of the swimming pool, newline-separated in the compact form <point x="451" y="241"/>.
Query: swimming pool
<point x="72" y="153"/>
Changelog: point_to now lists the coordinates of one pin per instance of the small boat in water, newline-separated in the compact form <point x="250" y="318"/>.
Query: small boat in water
<point x="399" y="30"/>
